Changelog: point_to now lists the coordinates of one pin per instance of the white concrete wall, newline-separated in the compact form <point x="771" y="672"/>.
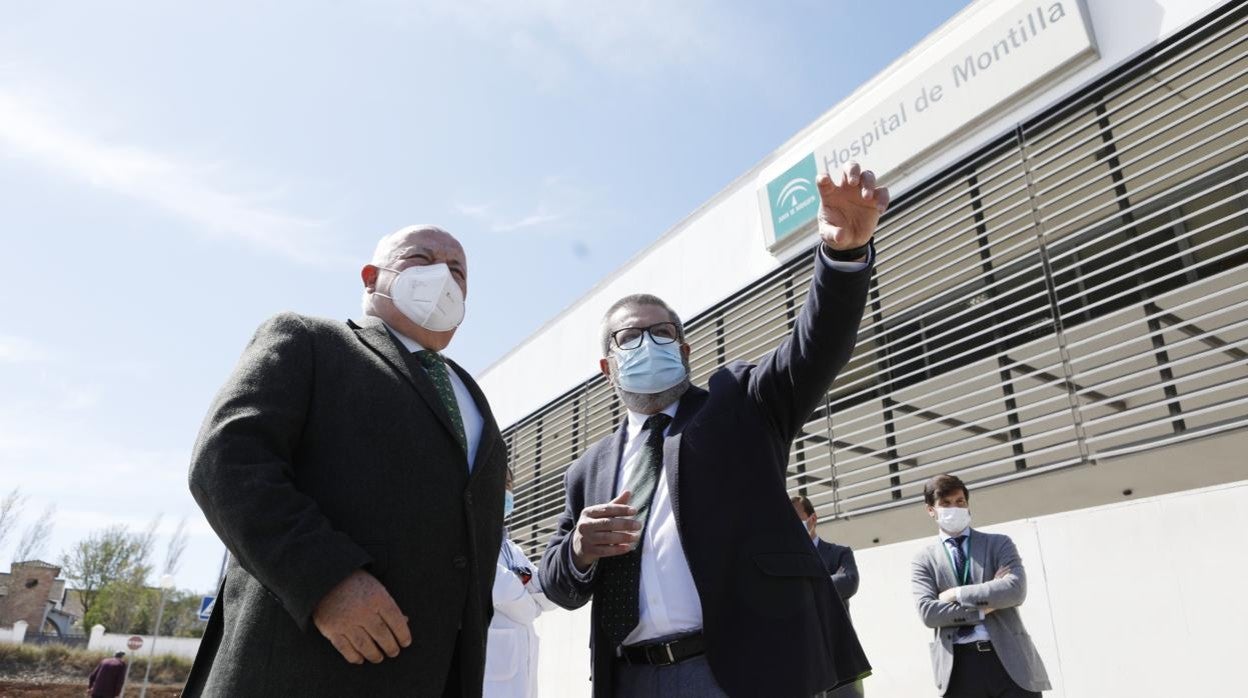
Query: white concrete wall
<point x="1142" y="599"/>
<point x="15" y="634"/>
<point x="101" y="641"/>
<point x="720" y="248"/>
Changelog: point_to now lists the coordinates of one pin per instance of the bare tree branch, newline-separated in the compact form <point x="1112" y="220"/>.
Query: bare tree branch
<point x="10" y="513"/>
<point x="36" y="536"/>
<point x="177" y="545"/>
<point x="147" y="542"/>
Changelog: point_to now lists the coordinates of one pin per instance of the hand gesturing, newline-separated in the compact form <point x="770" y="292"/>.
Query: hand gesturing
<point x="851" y="207"/>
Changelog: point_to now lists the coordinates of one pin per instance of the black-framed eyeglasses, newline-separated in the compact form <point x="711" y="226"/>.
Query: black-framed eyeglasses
<point x="660" y="333"/>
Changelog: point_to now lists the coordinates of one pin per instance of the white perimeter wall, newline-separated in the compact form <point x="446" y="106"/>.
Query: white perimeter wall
<point x="1142" y="599"/>
<point x="101" y="641"/>
<point x="15" y="634"/>
<point x="720" y="248"/>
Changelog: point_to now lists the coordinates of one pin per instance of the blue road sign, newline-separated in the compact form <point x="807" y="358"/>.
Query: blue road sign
<point x="205" y="607"/>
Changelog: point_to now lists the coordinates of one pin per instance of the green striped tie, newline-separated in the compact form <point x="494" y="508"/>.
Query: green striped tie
<point x="435" y="366"/>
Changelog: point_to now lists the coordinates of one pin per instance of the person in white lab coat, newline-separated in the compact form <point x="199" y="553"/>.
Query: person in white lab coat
<point x="511" y="653"/>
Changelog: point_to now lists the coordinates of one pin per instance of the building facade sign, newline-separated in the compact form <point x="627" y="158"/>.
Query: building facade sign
<point x="1023" y="45"/>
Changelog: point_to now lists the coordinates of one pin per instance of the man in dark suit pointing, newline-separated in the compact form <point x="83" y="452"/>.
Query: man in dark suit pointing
<point x="356" y="476"/>
<point x="678" y="526"/>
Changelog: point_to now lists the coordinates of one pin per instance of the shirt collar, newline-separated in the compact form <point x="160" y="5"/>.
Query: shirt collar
<point x="945" y="536"/>
<point x="636" y="420"/>
<point x="412" y="345"/>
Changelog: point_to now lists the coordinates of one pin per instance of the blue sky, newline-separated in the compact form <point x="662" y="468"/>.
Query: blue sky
<point x="173" y="173"/>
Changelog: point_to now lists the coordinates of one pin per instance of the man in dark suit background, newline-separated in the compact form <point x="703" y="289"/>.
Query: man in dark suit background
<point x="678" y="526"/>
<point x="839" y="561"/>
<point x="356" y="477"/>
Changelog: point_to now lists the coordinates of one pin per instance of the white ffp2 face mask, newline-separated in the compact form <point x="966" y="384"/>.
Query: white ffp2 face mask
<point x="953" y="519"/>
<point x="428" y="296"/>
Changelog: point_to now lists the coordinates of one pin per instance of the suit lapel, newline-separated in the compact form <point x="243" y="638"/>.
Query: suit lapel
<point x="690" y="403"/>
<point x="600" y="482"/>
<point x="977" y="548"/>
<point x="490" y="436"/>
<point x="945" y="578"/>
<point x="373" y="333"/>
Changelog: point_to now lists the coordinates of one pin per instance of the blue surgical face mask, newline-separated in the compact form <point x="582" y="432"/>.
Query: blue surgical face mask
<point x="650" y="368"/>
<point x="509" y="503"/>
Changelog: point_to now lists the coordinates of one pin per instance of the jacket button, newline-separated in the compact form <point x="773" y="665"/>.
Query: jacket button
<point x="459" y="561"/>
<point x="468" y="498"/>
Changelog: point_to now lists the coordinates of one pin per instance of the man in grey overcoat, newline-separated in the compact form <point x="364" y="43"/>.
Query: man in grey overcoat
<point x="356" y="476"/>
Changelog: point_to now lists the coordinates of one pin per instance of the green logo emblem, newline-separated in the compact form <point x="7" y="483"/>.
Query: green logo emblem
<point x="793" y="197"/>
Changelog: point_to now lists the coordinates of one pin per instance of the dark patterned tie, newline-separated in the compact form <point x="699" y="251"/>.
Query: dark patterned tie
<point x="959" y="574"/>
<point x="621" y="575"/>
<point x="435" y="366"/>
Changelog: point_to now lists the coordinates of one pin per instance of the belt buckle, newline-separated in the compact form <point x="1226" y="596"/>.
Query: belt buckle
<point x="982" y="646"/>
<point x="657" y="657"/>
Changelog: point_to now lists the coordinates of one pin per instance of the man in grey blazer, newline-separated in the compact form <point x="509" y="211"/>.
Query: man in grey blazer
<point x="356" y="477"/>
<point x="967" y="587"/>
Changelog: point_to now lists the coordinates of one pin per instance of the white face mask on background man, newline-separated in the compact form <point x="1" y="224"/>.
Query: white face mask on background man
<point x="428" y="296"/>
<point x="953" y="520"/>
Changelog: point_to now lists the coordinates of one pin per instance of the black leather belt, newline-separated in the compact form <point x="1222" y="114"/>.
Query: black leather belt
<point x="664" y="653"/>
<point x="977" y="646"/>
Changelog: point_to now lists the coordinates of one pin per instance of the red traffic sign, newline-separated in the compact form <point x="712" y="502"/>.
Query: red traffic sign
<point x="135" y="642"/>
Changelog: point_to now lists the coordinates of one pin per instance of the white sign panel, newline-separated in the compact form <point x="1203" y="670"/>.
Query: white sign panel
<point x="1011" y="48"/>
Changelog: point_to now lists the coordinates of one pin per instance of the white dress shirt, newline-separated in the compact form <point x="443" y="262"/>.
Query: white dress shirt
<point x="981" y="631"/>
<point x="668" y="601"/>
<point x="468" y="410"/>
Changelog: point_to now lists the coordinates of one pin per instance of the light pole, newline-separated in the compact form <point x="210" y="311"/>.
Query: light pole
<point x="166" y="583"/>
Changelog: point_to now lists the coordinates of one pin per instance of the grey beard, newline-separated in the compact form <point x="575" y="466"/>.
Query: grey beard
<point x="652" y="403"/>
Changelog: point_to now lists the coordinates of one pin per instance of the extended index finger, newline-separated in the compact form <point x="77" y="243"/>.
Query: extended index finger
<point x="604" y="511"/>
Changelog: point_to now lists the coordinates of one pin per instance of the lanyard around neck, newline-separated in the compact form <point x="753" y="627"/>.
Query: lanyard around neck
<point x="966" y="564"/>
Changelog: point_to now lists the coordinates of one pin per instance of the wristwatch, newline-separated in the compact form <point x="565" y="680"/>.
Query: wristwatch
<point x="850" y="255"/>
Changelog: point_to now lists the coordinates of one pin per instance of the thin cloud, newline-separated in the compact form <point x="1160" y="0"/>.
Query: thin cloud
<point x="498" y="223"/>
<point x="477" y="211"/>
<point x="638" y="38"/>
<point x="19" y="350"/>
<point x="529" y="221"/>
<point x="175" y="186"/>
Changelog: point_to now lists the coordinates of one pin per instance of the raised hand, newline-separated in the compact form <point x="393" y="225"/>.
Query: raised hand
<point x="361" y="620"/>
<point x="604" y="530"/>
<point x="851" y="207"/>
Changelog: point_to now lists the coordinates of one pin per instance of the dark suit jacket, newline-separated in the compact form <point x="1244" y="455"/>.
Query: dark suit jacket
<point x="328" y="450"/>
<point x="772" y="621"/>
<point x="839" y="561"/>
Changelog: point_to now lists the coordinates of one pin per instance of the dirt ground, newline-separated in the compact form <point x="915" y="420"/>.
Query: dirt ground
<point x="10" y="688"/>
